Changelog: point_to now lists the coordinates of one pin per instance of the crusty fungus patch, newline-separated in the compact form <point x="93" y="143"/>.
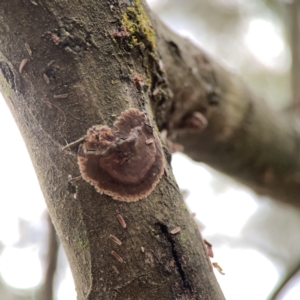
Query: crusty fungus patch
<point x="125" y="162"/>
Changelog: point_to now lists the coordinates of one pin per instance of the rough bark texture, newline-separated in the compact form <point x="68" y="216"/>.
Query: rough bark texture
<point x="244" y="138"/>
<point x="68" y="65"/>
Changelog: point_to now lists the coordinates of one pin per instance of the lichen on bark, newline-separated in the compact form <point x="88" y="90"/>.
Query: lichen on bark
<point x="138" y="24"/>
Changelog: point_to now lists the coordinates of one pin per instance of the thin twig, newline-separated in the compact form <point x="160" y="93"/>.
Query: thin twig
<point x="73" y="143"/>
<point x="51" y="104"/>
<point x="293" y="12"/>
<point x="47" y="289"/>
<point x="282" y="284"/>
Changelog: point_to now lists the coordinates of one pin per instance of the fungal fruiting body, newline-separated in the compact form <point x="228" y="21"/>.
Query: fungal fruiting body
<point x="115" y="239"/>
<point x="196" y="121"/>
<point x="117" y="256"/>
<point x="175" y="230"/>
<point x="121" y="162"/>
<point x="122" y="221"/>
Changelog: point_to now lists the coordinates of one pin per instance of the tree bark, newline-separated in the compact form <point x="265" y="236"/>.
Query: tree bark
<point x="68" y="65"/>
<point x="243" y="138"/>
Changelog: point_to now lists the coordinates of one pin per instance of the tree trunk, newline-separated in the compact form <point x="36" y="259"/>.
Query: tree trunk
<point x="68" y="65"/>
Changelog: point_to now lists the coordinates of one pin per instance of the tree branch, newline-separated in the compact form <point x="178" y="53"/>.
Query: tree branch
<point x="293" y="19"/>
<point x="243" y="138"/>
<point x="294" y="30"/>
<point x="88" y="61"/>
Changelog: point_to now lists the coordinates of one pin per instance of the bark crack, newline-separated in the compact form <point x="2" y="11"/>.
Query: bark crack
<point x="176" y="256"/>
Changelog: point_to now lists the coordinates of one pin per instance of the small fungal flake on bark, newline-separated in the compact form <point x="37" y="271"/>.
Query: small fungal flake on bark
<point x="23" y="64"/>
<point x="217" y="266"/>
<point x="121" y="162"/>
<point x="175" y="230"/>
<point x="115" y="239"/>
<point x="122" y="221"/>
<point x="196" y="121"/>
<point x="117" y="256"/>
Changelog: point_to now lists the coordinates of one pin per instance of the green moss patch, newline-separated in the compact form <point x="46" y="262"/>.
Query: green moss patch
<point x="139" y="26"/>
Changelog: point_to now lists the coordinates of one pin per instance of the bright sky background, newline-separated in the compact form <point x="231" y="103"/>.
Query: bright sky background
<point x="21" y="198"/>
<point x="263" y="40"/>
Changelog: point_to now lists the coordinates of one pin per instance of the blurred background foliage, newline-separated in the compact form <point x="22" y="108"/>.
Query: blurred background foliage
<point x="256" y="240"/>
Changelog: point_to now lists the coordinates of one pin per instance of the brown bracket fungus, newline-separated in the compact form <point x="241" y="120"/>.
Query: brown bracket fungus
<point x="121" y="162"/>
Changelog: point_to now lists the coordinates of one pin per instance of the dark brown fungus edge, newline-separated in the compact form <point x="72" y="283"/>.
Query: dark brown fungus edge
<point x="119" y="162"/>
